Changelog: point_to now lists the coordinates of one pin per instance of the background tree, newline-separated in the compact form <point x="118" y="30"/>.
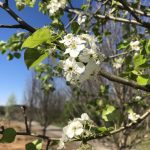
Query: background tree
<point x="10" y="107"/>
<point x="30" y="99"/>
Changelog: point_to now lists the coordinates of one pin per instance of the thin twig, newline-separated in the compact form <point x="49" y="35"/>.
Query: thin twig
<point x="140" y="12"/>
<point x="109" y="17"/>
<point x="12" y="26"/>
<point x="121" y="54"/>
<point x="71" y="21"/>
<point x="126" y="6"/>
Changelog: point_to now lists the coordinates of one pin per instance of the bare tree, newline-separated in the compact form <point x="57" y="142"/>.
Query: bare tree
<point x="30" y="98"/>
<point x="44" y="106"/>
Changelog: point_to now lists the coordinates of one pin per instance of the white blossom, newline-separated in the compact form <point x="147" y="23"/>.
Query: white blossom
<point x="118" y="62"/>
<point x="56" y="5"/>
<point x="91" y="40"/>
<point x="133" y="116"/>
<point x="88" y="54"/>
<point x="67" y="39"/>
<point x="61" y="144"/>
<point x="72" y="68"/>
<point x="91" y="70"/>
<point x="85" y="117"/>
<point x="74" y="128"/>
<point x="81" y="19"/>
<point x="75" y="46"/>
<point x="135" y="45"/>
<point x="138" y="97"/>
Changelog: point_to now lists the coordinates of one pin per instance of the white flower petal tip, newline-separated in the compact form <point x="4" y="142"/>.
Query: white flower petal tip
<point x="85" y="117"/>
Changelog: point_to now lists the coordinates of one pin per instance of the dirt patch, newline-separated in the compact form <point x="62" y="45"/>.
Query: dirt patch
<point x="52" y="131"/>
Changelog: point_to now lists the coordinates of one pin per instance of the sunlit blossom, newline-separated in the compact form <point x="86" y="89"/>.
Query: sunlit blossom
<point x="135" y="45"/>
<point x="55" y="5"/>
<point x="74" y="128"/>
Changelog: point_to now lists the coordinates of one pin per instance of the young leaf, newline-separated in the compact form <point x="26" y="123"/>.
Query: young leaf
<point x="142" y="80"/>
<point x="37" y="38"/>
<point x="17" y="55"/>
<point x="75" y="27"/>
<point x="147" y="47"/>
<point x="35" y="145"/>
<point x="30" y="146"/>
<point x="107" y="111"/>
<point x="9" y="135"/>
<point x="10" y="56"/>
<point x="38" y="144"/>
<point x="33" y="57"/>
<point x="102" y="129"/>
<point x="139" y="60"/>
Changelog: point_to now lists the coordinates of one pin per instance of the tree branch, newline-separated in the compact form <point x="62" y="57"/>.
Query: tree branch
<point x="128" y="126"/>
<point x="126" y="6"/>
<point x="6" y="3"/>
<point x="12" y="26"/>
<point x="17" y="18"/>
<point x="140" y="12"/>
<point x="120" y="54"/>
<point x="120" y="80"/>
<point x="109" y="17"/>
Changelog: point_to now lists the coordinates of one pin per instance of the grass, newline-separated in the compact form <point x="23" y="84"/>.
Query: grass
<point x="144" y="146"/>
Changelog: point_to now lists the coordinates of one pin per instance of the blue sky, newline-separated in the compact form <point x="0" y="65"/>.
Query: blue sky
<point x="14" y="74"/>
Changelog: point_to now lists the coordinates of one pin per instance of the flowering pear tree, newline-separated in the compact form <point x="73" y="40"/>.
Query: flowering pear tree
<point x="73" y="41"/>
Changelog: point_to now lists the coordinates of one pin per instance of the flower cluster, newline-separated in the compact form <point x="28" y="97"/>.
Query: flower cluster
<point x="133" y="116"/>
<point x="75" y="128"/>
<point x="22" y="3"/>
<point x="118" y="63"/>
<point x="135" y="45"/>
<point x="82" y="57"/>
<point x="55" y="5"/>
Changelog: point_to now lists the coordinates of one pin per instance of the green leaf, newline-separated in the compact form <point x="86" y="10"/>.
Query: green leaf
<point x="37" y="38"/>
<point x="17" y="55"/>
<point x="10" y="56"/>
<point x="33" y="57"/>
<point x="123" y="45"/>
<point x="38" y="144"/>
<point x="75" y="27"/>
<point x="9" y="135"/>
<point x="142" y="80"/>
<point x="30" y="146"/>
<point x="22" y="3"/>
<point x="102" y="129"/>
<point x="139" y="60"/>
<point x="109" y="109"/>
<point x="30" y="3"/>
<point x="35" y="145"/>
<point x="147" y="47"/>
